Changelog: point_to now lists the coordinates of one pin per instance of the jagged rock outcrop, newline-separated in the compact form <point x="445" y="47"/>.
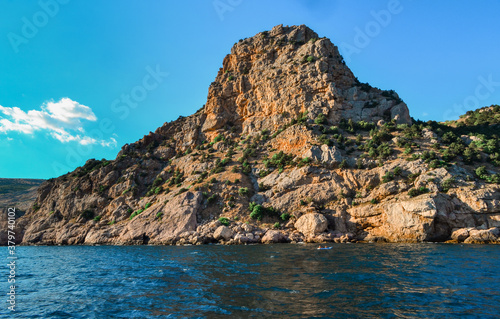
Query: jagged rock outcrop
<point x="275" y="75"/>
<point x="289" y="147"/>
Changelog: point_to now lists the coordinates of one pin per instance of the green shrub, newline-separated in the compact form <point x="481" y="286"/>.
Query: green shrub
<point x="359" y="163"/>
<point x="343" y="164"/>
<point x="481" y="172"/>
<point x="147" y="206"/>
<point x="389" y="176"/>
<point x="251" y="206"/>
<point x="449" y="137"/>
<point x="307" y="59"/>
<point x="276" y="225"/>
<point x="397" y="171"/>
<point x="413" y="192"/>
<point x="333" y="129"/>
<point x="494" y="178"/>
<point x="374" y="201"/>
<point x="219" y="137"/>
<point x="157" y="181"/>
<point x="447" y="184"/>
<point x="211" y="199"/>
<point x="159" y="215"/>
<point x="112" y="222"/>
<point x="320" y="119"/>
<point x="384" y="150"/>
<point x="416" y="192"/>
<point x="224" y="221"/>
<point x="302" y="118"/>
<point x="257" y="212"/>
<point x="243" y="191"/>
<point x="423" y="190"/>
<point x="280" y="160"/>
<point x="285" y="216"/>
<point x="413" y="177"/>
<point x="97" y="218"/>
<point x="359" y="139"/>
<point x="323" y="139"/>
<point x="101" y="189"/>
<point x="136" y="213"/>
<point x="263" y="173"/>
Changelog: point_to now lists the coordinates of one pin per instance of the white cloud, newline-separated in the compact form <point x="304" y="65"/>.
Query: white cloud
<point x="62" y="120"/>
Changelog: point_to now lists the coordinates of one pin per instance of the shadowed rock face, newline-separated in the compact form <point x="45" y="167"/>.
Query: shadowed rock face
<point x="289" y="147"/>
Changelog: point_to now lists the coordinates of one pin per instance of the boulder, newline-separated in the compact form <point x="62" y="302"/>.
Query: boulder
<point x="223" y="232"/>
<point x="460" y="234"/>
<point x="483" y="236"/>
<point x="273" y="236"/>
<point x="311" y="224"/>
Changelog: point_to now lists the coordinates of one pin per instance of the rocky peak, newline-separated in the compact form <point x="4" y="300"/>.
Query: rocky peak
<point x="274" y="76"/>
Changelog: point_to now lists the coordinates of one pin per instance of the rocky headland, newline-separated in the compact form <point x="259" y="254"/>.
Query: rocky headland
<point x="289" y="147"/>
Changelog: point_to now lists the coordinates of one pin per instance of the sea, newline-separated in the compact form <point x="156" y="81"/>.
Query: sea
<point x="255" y="281"/>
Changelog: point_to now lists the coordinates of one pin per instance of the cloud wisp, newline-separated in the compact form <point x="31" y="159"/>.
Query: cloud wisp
<point x="62" y="120"/>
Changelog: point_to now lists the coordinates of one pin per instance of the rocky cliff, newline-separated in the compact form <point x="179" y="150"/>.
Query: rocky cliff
<point x="289" y="147"/>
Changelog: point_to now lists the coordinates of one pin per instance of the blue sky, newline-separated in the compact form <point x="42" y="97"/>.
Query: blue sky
<point x="79" y="79"/>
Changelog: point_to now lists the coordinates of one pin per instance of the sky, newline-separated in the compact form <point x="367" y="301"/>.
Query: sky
<point x="79" y="79"/>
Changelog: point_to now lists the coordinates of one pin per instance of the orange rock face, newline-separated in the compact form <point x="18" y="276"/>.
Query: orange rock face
<point x="272" y="77"/>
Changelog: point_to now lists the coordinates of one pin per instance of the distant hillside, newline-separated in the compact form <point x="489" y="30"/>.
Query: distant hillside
<point x="18" y="192"/>
<point x="485" y="120"/>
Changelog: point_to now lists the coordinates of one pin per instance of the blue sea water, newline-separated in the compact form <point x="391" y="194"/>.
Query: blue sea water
<point x="259" y="281"/>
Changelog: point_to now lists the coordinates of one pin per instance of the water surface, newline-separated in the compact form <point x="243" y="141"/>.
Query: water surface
<point x="278" y="281"/>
